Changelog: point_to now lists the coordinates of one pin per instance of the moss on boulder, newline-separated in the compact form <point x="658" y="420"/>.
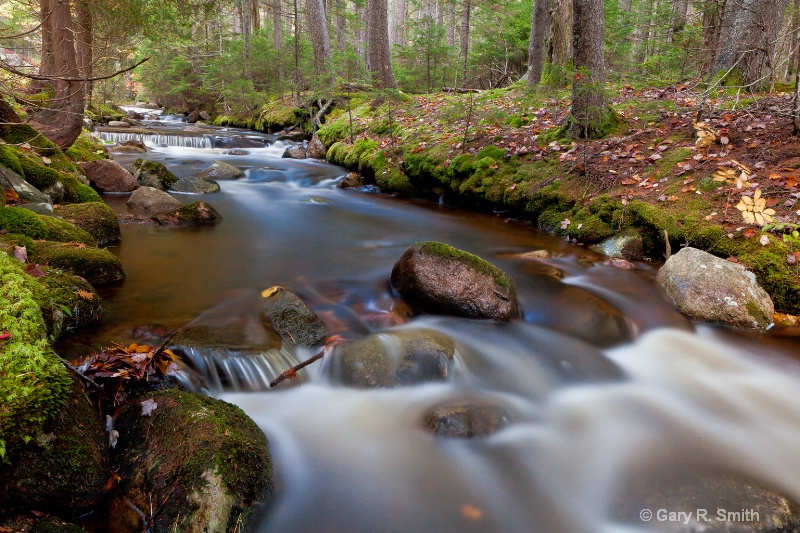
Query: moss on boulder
<point x="99" y="220"/>
<point x="67" y="302"/>
<point x="96" y="265"/>
<point x="33" y="383"/>
<point x="153" y="174"/>
<point x="24" y="222"/>
<point x="211" y="481"/>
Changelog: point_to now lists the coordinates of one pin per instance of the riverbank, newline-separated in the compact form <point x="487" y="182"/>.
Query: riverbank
<point x="673" y="180"/>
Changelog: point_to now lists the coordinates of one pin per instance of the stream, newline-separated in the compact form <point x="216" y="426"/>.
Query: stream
<point x="615" y="406"/>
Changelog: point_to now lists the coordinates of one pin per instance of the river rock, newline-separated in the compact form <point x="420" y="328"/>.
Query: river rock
<point x="98" y="219"/>
<point x="70" y="304"/>
<point x="627" y="245"/>
<point x="714" y="290"/>
<point x="316" y="149"/>
<point x="296" y="135"/>
<point x="135" y="115"/>
<point x="220" y="170"/>
<point x="153" y="174"/>
<point x="95" y="265"/>
<point x="465" y="420"/>
<point x="63" y="470"/>
<point x="291" y="318"/>
<point x="236" y="151"/>
<point x="120" y="149"/>
<point x="152" y="200"/>
<point x="27" y="192"/>
<point x="294" y="152"/>
<point x="195" y="185"/>
<point x="135" y="143"/>
<point x="118" y="124"/>
<point x="55" y="192"/>
<point x="193" y="117"/>
<point x="404" y="357"/>
<point x="109" y="176"/>
<point x="205" y="115"/>
<point x="195" y="214"/>
<point x="131" y="121"/>
<point x="439" y="278"/>
<point x="203" y="460"/>
<point x="351" y="181"/>
<point x="238" y="142"/>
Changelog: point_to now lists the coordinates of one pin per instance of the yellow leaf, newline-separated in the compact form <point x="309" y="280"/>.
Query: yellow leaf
<point x="266" y="293"/>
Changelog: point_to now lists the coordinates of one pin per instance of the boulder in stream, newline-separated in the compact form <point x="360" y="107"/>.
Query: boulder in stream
<point x="98" y="219"/>
<point x="627" y="245"/>
<point x="134" y="143"/>
<point x="152" y="200"/>
<point x="465" y="419"/>
<point x="351" y="181"/>
<point x="63" y="470"/>
<point x="439" y="278"/>
<point x="404" y="357"/>
<point x="118" y="124"/>
<point x="153" y="174"/>
<point x="95" y="265"/>
<point x="294" y="152"/>
<point x="315" y="148"/>
<point x="714" y="290"/>
<point x="109" y="176"/>
<point x="195" y="185"/>
<point x="291" y="318"/>
<point x="238" y="142"/>
<point x="220" y="170"/>
<point x="194" y="214"/>
<point x="204" y="461"/>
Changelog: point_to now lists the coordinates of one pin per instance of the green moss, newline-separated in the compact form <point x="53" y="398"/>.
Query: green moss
<point x="96" y="265"/>
<point x="86" y="148"/>
<point x="33" y="383"/>
<point x="76" y="192"/>
<point x="25" y="222"/>
<point x="481" y="265"/>
<point x="10" y="158"/>
<point x="67" y="302"/>
<point x="37" y="174"/>
<point x="19" y="134"/>
<point x="96" y="218"/>
<point x="151" y="173"/>
<point x="100" y="112"/>
<point x="388" y="176"/>
<point x="491" y="152"/>
<point x="276" y="115"/>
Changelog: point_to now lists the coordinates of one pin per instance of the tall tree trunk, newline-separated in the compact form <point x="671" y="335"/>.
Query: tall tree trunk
<point x="320" y="40"/>
<point x="277" y="33"/>
<point x="754" y="27"/>
<point x="297" y="73"/>
<point x="84" y="46"/>
<point x="589" y="105"/>
<point x="540" y="25"/>
<point x="680" y="9"/>
<point x="398" y="15"/>
<point x="641" y="34"/>
<point x="255" y="16"/>
<point x="560" y="52"/>
<point x="465" y="23"/>
<point x="341" y="26"/>
<point x="451" y="23"/>
<point x="379" y="57"/>
<point x="246" y="30"/>
<point x="63" y="120"/>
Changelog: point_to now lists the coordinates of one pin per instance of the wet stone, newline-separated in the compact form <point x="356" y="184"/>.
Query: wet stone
<point x="465" y="420"/>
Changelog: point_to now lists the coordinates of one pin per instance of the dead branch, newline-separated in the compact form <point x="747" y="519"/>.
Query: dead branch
<point x="44" y="77"/>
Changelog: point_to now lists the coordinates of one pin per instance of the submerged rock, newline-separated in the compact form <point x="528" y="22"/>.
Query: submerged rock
<point x="291" y="318"/>
<point x="404" y="357"/>
<point x="220" y="170"/>
<point x="439" y="278"/>
<point x="711" y="289"/>
<point x="195" y="214"/>
<point x="153" y="174"/>
<point x="627" y="245"/>
<point x="205" y="462"/>
<point x="98" y="219"/>
<point x="195" y="185"/>
<point x="118" y="124"/>
<point x="351" y="181"/>
<point x="64" y="469"/>
<point x="152" y="200"/>
<point x="238" y="142"/>
<point x="134" y="143"/>
<point x="465" y="420"/>
<point x="109" y="176"/>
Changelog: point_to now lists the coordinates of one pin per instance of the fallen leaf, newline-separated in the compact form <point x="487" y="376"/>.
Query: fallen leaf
<point x="34" y="271"/>
<point x="764" y="240"/>
<point x="148" y="406"/>
<point x="564" y="223"/>
<point x="5" y="335"/>
<point x="748" y="233"/>
<point x="272" y="290"/>
<point x="471" y="513"/>
<point x="21" y="253"/>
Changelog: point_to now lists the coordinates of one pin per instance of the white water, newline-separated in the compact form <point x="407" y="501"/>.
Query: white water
<point x="667" y="419"/>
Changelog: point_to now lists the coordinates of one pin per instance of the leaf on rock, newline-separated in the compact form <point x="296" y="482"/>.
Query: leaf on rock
<point x="148" y="406"/>
<point x="266" y="293"/>
<point x="21" y="253"/>
<point x="34" y="271"/>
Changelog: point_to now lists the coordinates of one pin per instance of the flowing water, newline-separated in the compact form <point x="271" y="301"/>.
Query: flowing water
<point x="613" y="404"/>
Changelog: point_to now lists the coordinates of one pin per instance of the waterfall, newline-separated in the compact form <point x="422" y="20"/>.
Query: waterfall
<point x="159" y="139"/>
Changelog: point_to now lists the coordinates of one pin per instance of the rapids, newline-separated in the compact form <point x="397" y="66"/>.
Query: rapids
<point x="615" y="403"/>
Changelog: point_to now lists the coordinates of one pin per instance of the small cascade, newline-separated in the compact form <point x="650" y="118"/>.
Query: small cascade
<point x="158" y="139"/>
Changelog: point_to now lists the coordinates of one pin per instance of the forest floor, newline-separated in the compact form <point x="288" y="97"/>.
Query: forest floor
<point x="719" y="172"/>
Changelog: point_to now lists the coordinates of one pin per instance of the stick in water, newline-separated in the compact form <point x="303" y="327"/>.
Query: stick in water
<point x="292" y="372"/>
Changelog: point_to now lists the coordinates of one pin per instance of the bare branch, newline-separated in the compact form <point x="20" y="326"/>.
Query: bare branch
<point x="5" y="66"/>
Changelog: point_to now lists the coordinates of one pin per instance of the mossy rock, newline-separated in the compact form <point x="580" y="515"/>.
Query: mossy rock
<point x="76" y="192"/>
<point x="86" y="148"/>
<point x="404" y="357"/>
<point x="24" y="222"/>
<point x="204" y="459"/>
<point x="67" y="302"/>
<point x="21" y="134"/>
<point x="291" y="318"/>
<point x="36" y="173"/>
<point x="33" y="382"/>
<point x="153" y="174"/>
<point x="64" y="468"/>
<point x="98" y="219"/>
<point x="97" y="266"/>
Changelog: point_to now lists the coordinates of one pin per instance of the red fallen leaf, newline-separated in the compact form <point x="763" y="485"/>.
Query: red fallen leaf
<point x="34" y="271"/>
<point x="772" y="202"/>
<point x="791" y="181"/>
<point x="4" y="336"/>
<point x="748" y="233"/>
<point x="628" y="181"/>
<point x="733" y="259"/>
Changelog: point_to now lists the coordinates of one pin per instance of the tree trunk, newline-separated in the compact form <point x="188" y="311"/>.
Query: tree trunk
<point x="379" y="57"/>
<point x="84" y="46"/>
<point x="641" y="34"/>
<point x="540" y="25"/>
<point x="749" y="43"/>
<point x="246" y="30"/>
<point x="320" y="40"/>
<point x="680" y="9"/>
<point x="451" y="23"/>
<point x="277" y="34"/>
<point x="560" y="52"/>
<point x="465" y="16"/>
<point x="796" y="104"/>
<point x="63" y="120"/>
<point x="589" y="106"/>
<point x="398" y="15"/>
<point x="341" y="26"/>
<point x="255" y="16"/>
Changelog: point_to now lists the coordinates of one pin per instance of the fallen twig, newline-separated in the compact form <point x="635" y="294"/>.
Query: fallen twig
<point x="292" y="372"/>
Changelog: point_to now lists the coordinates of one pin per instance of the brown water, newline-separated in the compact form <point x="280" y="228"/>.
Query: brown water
<point x="602" y="381"/>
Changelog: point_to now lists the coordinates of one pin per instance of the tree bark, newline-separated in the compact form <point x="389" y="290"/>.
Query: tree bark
<point x="750" y="30"/>
<point x="560" y="52"/>
<point x="465" y="23"/>
<point x="255" y="16"/>
<point x="246" y="31"/>
<point x="277" y="34"/>
<point x="63" y="120"/>
<point x="680" y="10"/>
<point x="589" y="106"/>
<point x="540" y="25"/>
<point x="451" y="23"/>
<point x="341" y="26"/>
<point x="85" y="46"/>
<point x="320" y="40"/>
<point x="379" y="57"/>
